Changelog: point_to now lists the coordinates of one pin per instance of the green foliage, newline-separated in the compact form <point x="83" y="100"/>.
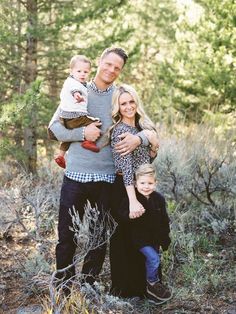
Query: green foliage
<point x="34" y="265"/>
<point x="207" y="275"/>
<point x="21" y="104"/>
<point x="38" y="47"/>
<point x="34" y="271"/>
<point x="185" y="71"/>
<point x="10" y="151"/>
<point x="204" y="62"/>
<point x="17" y="114"/>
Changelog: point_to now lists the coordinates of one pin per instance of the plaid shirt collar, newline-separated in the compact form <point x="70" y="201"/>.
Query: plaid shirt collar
<point x="93" y="86"/>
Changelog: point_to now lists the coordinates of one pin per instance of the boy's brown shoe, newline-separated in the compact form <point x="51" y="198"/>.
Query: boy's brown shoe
<point x="155" y="300"/>
<point x="159" y="291"/>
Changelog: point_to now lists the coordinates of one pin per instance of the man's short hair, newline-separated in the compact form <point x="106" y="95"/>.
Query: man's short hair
<point x="117" y="50"/>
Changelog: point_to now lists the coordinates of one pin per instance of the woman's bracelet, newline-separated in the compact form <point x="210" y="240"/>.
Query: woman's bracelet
<point x="155" y="149"/>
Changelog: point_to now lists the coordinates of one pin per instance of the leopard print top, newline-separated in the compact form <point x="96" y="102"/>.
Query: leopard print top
<point x="128" y="164"/>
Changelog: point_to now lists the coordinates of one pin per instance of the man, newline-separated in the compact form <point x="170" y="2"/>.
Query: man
<point x="89" y="176"/>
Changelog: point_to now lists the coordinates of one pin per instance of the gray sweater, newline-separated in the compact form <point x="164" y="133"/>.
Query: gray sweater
<point x="82" y="160"/>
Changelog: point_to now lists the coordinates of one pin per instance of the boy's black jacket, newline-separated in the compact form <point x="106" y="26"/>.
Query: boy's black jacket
<point x="152" y="228"/>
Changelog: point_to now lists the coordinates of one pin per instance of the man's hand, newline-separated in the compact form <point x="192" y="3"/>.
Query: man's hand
<point x="128" y="143"/>
<point x="92" y="131"/>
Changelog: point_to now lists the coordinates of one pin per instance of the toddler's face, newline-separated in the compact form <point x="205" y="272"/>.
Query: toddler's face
<point x="146" y="184"/>
<point x="81" y="71"/>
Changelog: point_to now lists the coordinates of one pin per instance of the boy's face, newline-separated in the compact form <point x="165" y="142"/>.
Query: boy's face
<point x="80" y="71"/>
<point x="146" y="184"/>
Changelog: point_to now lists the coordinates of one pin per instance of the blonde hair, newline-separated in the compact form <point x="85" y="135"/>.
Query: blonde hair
<point x="142" y="121"/>
<point x="146" y="170"/>
<point x="77" y="58"/>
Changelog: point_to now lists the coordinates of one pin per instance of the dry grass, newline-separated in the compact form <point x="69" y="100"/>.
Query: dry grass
<point x="197" y="174"/>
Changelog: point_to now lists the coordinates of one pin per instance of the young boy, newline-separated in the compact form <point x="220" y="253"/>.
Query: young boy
<point x="151" y="230"/>
<point x="73" y="104"/>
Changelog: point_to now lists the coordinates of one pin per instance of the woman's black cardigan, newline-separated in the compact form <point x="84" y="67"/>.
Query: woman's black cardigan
<point x="152" y="228"/>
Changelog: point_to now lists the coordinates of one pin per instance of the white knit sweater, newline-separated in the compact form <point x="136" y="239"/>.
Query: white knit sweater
<point x="68" y="102"/>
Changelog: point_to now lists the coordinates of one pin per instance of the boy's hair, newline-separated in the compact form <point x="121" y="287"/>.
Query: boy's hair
<point x="117" y="50"/>
<point x="146" y="170"/>
<point x="77" y="58"/>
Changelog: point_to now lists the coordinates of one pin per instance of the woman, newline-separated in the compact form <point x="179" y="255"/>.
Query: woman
<point x="127" y="265"/>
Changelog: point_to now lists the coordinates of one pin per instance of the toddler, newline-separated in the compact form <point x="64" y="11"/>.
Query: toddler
<point x="73" y="104"/>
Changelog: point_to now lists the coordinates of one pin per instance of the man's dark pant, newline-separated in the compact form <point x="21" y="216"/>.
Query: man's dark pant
<point x="75" y="195"/>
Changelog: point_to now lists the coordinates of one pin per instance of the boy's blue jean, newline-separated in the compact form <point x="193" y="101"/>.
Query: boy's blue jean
<point x="152" y="263"/>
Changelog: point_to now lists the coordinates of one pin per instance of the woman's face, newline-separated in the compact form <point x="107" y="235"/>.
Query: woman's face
<point x="127" y="108"/>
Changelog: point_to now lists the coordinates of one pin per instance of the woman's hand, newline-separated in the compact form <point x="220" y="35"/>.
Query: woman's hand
<point x="136" y="209"/>
<point x="153" y="140"/>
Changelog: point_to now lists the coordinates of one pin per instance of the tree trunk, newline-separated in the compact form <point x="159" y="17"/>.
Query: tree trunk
<point x="30" y="138"/>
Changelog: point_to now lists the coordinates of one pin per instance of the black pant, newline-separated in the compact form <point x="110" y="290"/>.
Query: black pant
<point x="75" y="195"/>
<point x="128" y="274"/>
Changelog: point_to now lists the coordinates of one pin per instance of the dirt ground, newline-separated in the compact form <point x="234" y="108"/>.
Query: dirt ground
<point x="14" y="296"/>
<point x="16" y="247"/>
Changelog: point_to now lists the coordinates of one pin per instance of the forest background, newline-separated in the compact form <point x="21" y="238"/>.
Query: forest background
<point x="182" y="61"/>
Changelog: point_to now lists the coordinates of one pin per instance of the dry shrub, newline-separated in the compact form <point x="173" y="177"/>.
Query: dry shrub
<point x="197" y="174"/>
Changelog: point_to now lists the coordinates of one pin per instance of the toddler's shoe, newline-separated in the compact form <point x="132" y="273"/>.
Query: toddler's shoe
<point x="60" y="160"/>
<point x="90" y="146"/>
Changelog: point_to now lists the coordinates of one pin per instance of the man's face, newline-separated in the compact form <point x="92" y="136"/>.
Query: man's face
<point x="109" y="68"/>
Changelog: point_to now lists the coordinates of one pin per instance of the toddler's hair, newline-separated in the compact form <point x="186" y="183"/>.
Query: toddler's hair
<point x="77" y="58"/>
<point x="146" y="170"/>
